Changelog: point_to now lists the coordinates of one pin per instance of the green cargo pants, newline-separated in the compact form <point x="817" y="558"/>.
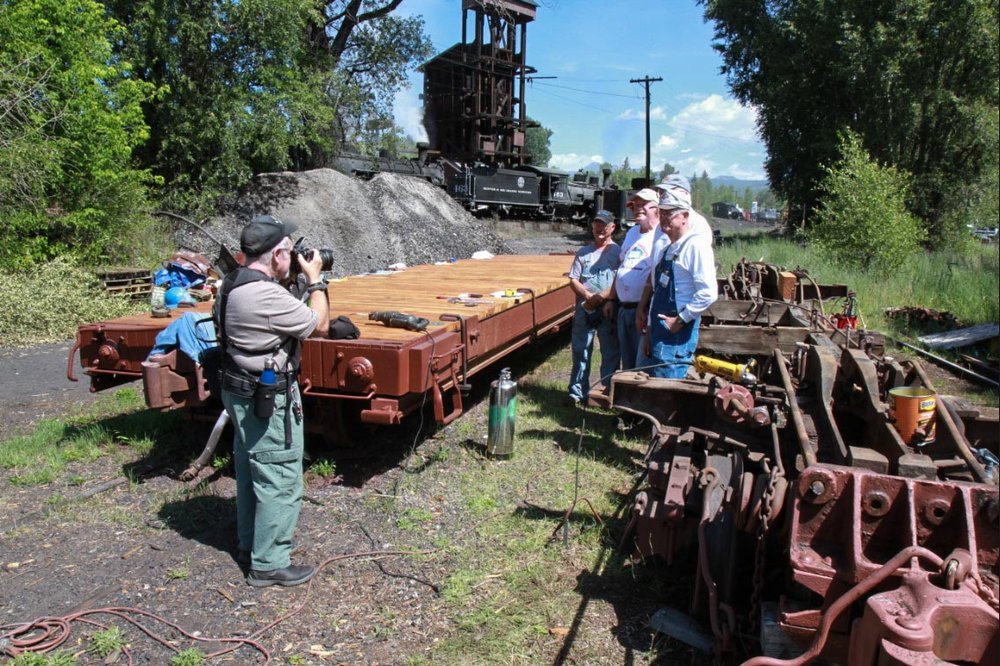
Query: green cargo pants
<point x="268" y="480"/>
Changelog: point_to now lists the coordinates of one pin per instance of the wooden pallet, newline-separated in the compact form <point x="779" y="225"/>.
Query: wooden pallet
<point x="132" y="282"/>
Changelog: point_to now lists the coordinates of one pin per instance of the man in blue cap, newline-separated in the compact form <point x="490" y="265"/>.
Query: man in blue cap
<point x="592" y="279"/>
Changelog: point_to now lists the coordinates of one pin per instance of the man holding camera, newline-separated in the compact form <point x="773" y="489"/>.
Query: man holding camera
<point x="261" y="324"/>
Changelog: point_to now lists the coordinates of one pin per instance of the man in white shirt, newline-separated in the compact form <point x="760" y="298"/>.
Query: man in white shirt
<point x="633" y="273"/>
<point x="682" y="285"/>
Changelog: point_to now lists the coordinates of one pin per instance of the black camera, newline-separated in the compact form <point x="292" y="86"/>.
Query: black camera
<point x="307" y="253"/>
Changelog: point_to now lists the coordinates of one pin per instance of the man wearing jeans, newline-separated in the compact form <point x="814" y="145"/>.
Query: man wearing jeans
<point x="682" y="286"/>
<point x="591" y="279"/>
<point x="636" y="262"/>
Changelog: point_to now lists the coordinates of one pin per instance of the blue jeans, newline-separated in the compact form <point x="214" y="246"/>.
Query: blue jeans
<point x="628" y="338"/>
<point x="585" y="325"/>
<point x="672" y="352"/>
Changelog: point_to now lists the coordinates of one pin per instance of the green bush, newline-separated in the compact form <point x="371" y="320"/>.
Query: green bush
<point x="862" y="221"/>
<point x="49" y="302"/>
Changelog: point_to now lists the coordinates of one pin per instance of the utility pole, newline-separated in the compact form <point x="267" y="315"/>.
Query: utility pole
<point x="646" y="80"/>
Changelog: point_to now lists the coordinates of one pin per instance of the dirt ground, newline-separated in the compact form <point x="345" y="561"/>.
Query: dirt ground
<point x="110" y="543"/>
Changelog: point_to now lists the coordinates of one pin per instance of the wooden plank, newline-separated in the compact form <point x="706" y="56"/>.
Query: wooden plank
<point x="415" y="291"/>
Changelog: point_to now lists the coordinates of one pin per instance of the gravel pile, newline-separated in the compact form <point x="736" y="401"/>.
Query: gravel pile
<point x="368" y="224"/>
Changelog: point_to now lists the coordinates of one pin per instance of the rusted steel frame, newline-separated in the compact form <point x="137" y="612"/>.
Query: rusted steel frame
<point x="108" y="357"/>
<point x="723" y="634"/>
<point x="857" y="592"/>
<point x="72" y="354"/>
<point x="882" y="512"/>
<point x="793" y="408"/>
<point x="944" y="418"/>
<point x="919" y="622"/>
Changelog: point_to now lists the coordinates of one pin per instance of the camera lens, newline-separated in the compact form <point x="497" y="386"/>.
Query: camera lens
<point x="327" y="258"/>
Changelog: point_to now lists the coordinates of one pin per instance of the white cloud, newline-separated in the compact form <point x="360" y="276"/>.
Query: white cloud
<point x="717" y="115"/>
<point x="665" y="143"/>
<point x="408" y="112"/>
<point x="573" y="161"/>
<point x="655" y="113"/>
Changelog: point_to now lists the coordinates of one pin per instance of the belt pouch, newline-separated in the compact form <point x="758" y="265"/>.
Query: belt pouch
<point x="263" y="400"/>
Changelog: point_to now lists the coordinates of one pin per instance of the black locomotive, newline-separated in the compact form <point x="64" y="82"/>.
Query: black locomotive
<point x="474" y="113"/>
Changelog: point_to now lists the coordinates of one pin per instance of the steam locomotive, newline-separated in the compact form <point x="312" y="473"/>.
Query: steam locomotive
<point x="523" y="191"/>
<point x="475" y="117"/>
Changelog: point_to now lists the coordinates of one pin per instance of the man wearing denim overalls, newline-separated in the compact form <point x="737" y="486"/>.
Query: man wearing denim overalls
<point x="682" y="286"/>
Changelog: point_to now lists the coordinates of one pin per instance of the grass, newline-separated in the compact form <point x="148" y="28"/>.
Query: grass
<point x="511" y="581"/>
<point x="117" y="425"/>
<point x="967" y="284"/>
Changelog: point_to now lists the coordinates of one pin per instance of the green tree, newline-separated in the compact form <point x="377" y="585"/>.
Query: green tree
<point x="71" y="117"/>
<point x="863" y="220"/>
<point x="536" y="143"/>
<point x="917" y="80"/>
<point x="667" y="170"/>
<point x="262" y="85"/>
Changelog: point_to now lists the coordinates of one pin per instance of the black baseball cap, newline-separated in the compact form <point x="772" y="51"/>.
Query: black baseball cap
<point x="263" y="233"/>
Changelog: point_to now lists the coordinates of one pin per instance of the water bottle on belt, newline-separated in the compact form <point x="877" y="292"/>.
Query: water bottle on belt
<point x="267" y="387"/>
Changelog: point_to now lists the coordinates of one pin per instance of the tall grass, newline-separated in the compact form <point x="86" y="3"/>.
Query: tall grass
<point x="966" y="284"/>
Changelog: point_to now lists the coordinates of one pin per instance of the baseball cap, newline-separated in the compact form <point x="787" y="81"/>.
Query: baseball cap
<point x="670" y="200"/>
<point x="675" y="180"/>
<point x="645" y="194"/>
<point x="604" y="216"/>
<point x="263" y="233"/>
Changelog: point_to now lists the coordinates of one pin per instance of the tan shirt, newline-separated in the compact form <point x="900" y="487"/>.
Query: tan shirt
<point x="260" y="316"/>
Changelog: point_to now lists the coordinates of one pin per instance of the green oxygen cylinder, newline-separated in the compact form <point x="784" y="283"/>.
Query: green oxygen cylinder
<point x="503" y="414"/>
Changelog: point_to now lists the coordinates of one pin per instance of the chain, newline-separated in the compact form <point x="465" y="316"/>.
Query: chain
<point x="758" y="567"/>
<point x="984" y="591"/>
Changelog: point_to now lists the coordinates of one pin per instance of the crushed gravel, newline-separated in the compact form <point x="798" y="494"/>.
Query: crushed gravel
<point x="368" y="224"/>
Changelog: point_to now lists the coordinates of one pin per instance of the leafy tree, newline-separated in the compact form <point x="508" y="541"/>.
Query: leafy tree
<point x="262" y="85"/>
<point x="863" y="220"/>
<point x="917" y="80"/>
<point x="667" y="170"/>
<point x="71" y="117"/>
<point x="536" y="143"/>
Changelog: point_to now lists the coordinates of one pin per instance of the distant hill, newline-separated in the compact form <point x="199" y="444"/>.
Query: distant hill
<point x="737" y="184"/>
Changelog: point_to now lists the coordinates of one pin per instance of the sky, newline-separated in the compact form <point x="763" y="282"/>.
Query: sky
<point x="594" y="48"/>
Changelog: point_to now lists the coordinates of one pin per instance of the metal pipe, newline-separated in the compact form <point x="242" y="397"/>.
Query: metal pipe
<point x="848" y="598"/>
<point x="961" y="443"/>
<point x="948" y="364"/>
<point x="206" y="454"/>
<point x="793" y="408"/>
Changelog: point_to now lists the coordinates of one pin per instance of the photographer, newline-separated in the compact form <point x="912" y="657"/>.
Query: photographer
<point x="261" y="324"/>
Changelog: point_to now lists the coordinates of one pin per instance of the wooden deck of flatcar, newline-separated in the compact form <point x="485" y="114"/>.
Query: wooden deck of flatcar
<point x="423" y="291"/>
<point x="502" y="303"/>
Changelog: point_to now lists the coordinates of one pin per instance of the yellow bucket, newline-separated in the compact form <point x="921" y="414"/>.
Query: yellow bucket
<point x="913" y="410"/>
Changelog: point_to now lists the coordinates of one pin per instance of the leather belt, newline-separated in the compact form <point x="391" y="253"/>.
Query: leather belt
<point x="623" y="304"/>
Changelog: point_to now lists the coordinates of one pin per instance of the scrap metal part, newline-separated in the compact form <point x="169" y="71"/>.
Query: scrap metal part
<point x="793" y="488"/>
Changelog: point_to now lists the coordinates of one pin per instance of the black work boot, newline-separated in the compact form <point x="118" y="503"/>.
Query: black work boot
<point x="294" y="574"/>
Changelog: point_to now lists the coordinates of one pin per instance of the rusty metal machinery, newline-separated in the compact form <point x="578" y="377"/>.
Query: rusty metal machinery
<point x="791" y="488"/>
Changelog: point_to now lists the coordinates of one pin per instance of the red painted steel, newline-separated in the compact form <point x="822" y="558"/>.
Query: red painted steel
<point x="387" y="370"/>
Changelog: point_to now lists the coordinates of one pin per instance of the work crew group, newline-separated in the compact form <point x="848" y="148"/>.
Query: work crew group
<point x="642" y="300"/>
